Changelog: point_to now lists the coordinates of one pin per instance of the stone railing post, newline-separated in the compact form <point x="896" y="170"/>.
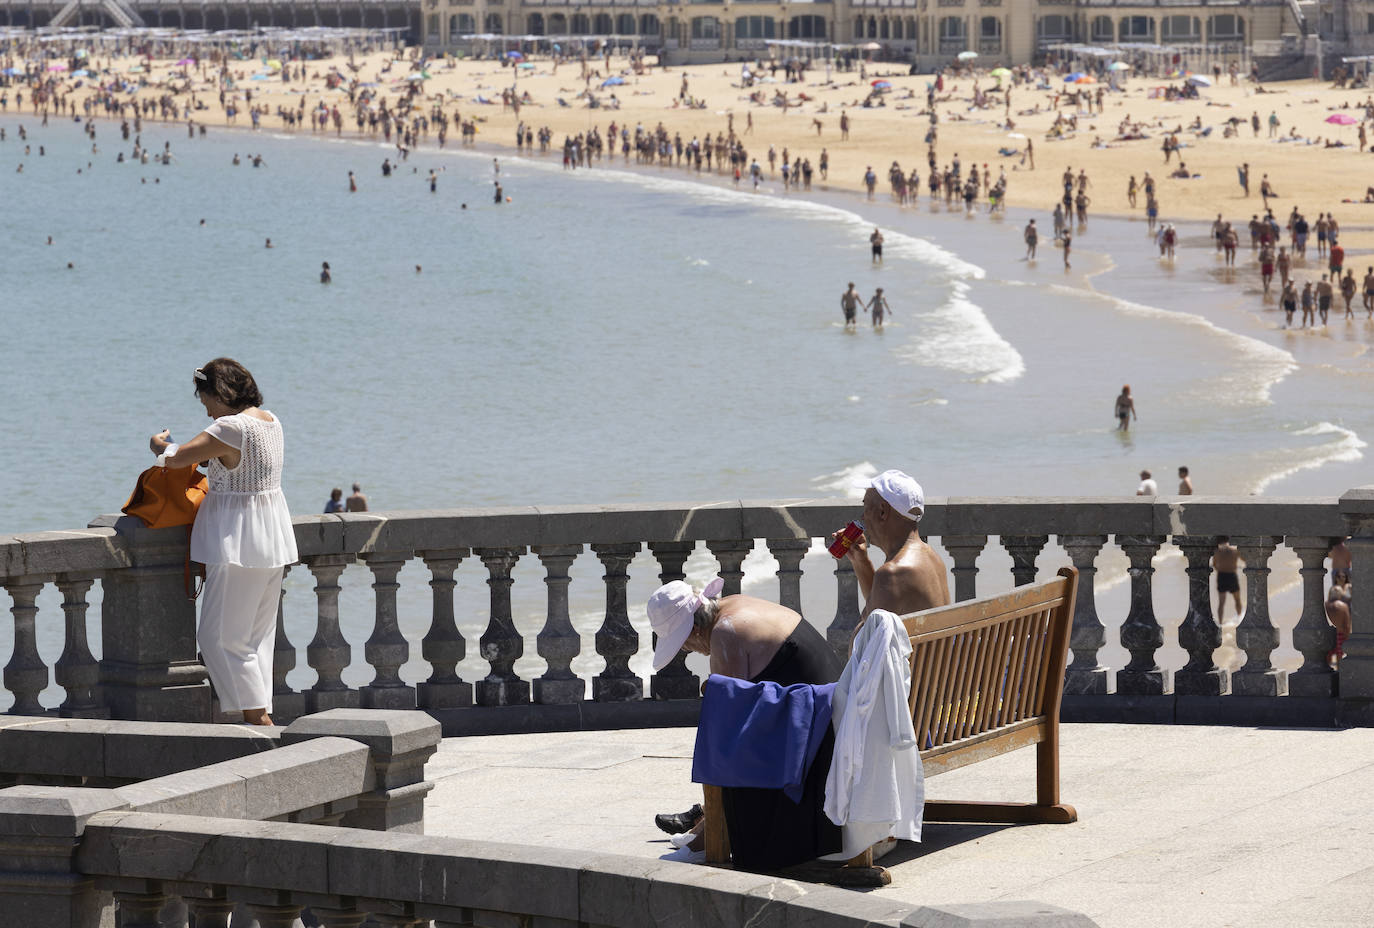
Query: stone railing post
<point x="149" y="666"/>
<point x="141" y="909"/>
<point x="731" y="553"/>
<point x="501" y="644"/>
<point x="286" y="702"/>
<point x="1313" y="636"/>
<point x="443" y="644"/>
<point x="616" y="640"/>
<point x="558" y="642"/>
<point x="77" y="671"/>
<point x="1256" y="634"/>
<point x="1085" y="675"/>
<point x="387" y="649"/>
<point x="275" y="916"/>
<point x="841" y="628"/>
<point x="1356" y="669"/>
<point x="1141" y="633"/>
<point x="40" y="830"/>
<point x="789" y="552"/>
<point x="674" y="681"/>
<point x="401" y="743"/>
<point x="328" y="653"/>
<point x="1199" y="633"/>
<point x="964" y="549"/>
<point x="26" y="675"/>
<point x="1024" y="549"/>
<point x="339" y="917"/>
<point x="211" y="913"/>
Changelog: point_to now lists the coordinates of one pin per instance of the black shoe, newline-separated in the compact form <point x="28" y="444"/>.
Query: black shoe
<point x="679" y="822"/>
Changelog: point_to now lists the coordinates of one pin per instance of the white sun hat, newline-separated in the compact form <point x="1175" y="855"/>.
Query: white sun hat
<point x="670" y="613"/>
<point x="900" y="491"/>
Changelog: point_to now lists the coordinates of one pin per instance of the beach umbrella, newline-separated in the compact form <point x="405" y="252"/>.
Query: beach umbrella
<point x="882" y="83"/>
<point x="273" y="63"/>
<point x="186" y="61"/>
<point x="870" y="47"/>
<point x="525" y="66"/>
<point x="614" y="80"/>
<point x="1000" y="72"/>
<point x="1086" y="79"/>
<point x="1198" y="80"/>
<point x="11" y="72"/>
<point x="967" y="56"/>
<point x="81" y="72"/>
<point x="1073" y="78"/>
<point x="57" y="67"/>
<point x="1015" y="135"/>
<point x="514" y="54"/>
<point x="1118" y="66"/>
<point x="1340" y="119"/>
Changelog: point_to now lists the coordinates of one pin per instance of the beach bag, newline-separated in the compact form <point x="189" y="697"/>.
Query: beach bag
<point x="165" y="497"/>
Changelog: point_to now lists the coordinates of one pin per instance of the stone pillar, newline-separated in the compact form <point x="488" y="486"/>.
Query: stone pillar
<point x="443" y="644"/>
<point x="558" y="642"/>
<point x="731" y="554"/>
<point x="674" y="681"/>
<point x="616" y="640"/>
<point x="1356" y="669"/>
<point x="211" y="913"/>
<point x="337" y="918"/>
<point x="387" y="649"/>
<point x="286" y="702"/>
<point x="149" y="666"/>
<point x="26" y="675"/>
<point x="142" y="910"/>
<point x="1140" y="633"/>
<point x="1199" y="633"/>
<point x="1085" y="675"/>
<point x="328" y="653"/>
<point x="501" y="643"/>
<point x="965" y="550"/>
<point x="76" y="670"/>
<point x="274" y="916"/>
<point x="1313" y="636"/>
<point x="1024" y="549"/>
<point x="789" y="552"/>
<point x="400" y="742"/>
<point x="40" y="830"/>
<point x="841" y="628"/>
<point x="1256" y="634"/>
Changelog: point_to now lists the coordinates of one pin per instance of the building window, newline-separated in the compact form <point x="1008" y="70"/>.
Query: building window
<point x="806" y="27"/>
<point x="1181" y="29"/>
<point x="1226" y="27"/>
<point x="535" y="24"/>
<point x="581" y="25"/>
<point x="951" y="28"/>
<point x="625" y="24"/>
<point x="648" y="24"/>
<point x="705" y="27"/>
<point x="1054" y="28"/>
<point x="1102" y="29"/>
<point x="1136" y="29"/>
<point x="755" y="27"/>
<point x="494" y="25"/>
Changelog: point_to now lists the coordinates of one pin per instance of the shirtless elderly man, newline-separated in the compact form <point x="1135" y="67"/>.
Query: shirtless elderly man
<point x="912" y="576"/>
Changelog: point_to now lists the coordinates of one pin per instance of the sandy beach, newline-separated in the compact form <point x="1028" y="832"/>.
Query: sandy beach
<point x="1302" y="170"/>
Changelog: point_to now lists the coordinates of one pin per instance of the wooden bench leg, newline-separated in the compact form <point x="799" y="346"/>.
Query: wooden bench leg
<point x="717" y="835"/>
<point x="1010" y="812"/>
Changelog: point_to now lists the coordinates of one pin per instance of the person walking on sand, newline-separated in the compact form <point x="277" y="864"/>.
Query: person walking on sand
<point x="1225" y="560"/>
<point x="1348" y="287"/>
<point x="1243" y="175"/>
<point x="878" y="307"/>
<point x="1369" y="292"/>
<point x="876" y="241"/>
<point x="1125" y="409"/>
<point x="1032" y="238"/>
<point x="870" y="180"/>
<point x="1324" y="292"/>
<point x="1308" y="301"/>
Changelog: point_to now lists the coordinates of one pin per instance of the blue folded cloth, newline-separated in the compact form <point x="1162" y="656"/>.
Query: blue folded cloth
<point x="760" y="735"/>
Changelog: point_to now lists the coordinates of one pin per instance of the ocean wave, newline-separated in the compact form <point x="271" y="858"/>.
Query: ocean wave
<point x="959" y="337"/>
<point x="846" y="480"/>
<point x="1346" y="448"/>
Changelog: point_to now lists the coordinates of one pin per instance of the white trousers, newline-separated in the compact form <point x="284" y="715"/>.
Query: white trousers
<point x="238" y="633"/>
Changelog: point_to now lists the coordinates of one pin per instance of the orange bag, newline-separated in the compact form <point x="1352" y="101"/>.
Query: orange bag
<point x="166" y="497"/>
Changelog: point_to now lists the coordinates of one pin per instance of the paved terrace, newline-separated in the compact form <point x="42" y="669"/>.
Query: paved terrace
<point x="1178" y="825"/>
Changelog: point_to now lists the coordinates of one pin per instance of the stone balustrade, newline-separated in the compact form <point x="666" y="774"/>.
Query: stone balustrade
<point x="149" y="669"/>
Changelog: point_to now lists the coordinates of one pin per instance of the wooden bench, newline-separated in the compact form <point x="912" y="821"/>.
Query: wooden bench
<point x="987" y="678"/>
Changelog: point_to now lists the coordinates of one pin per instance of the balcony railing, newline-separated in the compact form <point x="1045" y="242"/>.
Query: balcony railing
<point x="155" y="673"/>
<point x="990" y="46"/>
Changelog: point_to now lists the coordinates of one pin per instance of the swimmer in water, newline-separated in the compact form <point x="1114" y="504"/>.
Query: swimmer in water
<point x="352" y="183"/>
<point x="325" y="276"/>
<point x="269" y="244"/>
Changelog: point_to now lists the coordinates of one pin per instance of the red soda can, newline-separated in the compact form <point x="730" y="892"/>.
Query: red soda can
<point x="845" y="539"/>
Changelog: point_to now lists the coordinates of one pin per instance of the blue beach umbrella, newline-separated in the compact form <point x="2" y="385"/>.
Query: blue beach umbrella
<point x="11" y="72"/>
<point x="613" y="81"/>
<point x="1070" y="78"/>
<point x="514" y="54"/>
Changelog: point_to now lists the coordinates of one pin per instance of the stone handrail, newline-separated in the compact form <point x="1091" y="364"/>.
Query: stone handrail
<point x="149" y="668"/>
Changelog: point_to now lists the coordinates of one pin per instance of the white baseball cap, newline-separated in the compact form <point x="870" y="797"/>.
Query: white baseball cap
<point x="900" y="491"/>
<point x="671" y="608"/>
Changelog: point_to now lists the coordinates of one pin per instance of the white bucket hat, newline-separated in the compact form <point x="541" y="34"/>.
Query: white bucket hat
<point x="900" y="491"/>
<point x="670" y="613"/>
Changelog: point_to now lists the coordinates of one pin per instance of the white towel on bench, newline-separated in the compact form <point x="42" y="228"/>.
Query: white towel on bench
<point x="876" y="786"/>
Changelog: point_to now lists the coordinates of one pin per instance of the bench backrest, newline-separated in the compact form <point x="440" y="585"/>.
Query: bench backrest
<point x="987" y="675"/>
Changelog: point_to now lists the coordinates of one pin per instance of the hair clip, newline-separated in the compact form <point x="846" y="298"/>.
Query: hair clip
<point x="200" y="375"/>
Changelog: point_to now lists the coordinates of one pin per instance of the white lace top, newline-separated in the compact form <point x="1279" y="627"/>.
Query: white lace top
<point x="244" y="519"/>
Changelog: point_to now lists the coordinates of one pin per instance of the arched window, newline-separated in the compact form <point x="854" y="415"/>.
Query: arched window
<point x="1181" y="29"/>
<point x="806" y="27"/>
<point x="952" y="29"/>
<point x="1054" y="28"/>
<point x="1225" y="27"/>
<point x="601" y="24"/>
<point x="648" y="24"/>
<point x="883" y="31"/>
<point x="494" y="24"/>
<point x="1101" y="30"/>
<point x="581" y="25"/>
<point x="706" y="27"/>
<point x="535" y="24"/>
<point x="1136" y="29"/>
<point x="872" y="27"/>
<point x="461" y="24"/>
<point x="558" y="24"/>
<point x="625" y="24"/>
<point x="755" y="27"/>
<point x="859" y="28"/>
<point x="990" y="34"/>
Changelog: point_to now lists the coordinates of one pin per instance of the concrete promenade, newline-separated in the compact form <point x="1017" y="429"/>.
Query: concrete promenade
<point x="1178" y="825"/>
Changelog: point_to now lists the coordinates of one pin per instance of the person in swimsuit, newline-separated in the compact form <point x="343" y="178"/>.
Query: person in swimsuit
<point x="1225" y="560"/>
<point x="876" y="240"/>
<point x="849" y="302"/>
<point x="878" y="308"/>
<point x="1290" y="302"/>
<point x="756" y="640"/>
<point x="1338" y="610"/>
<point x="1369" y="292"/>
<point x="1125" y="409"/>
<point x="1266" y="267"/>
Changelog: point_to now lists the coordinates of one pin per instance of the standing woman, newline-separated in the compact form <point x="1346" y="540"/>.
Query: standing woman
<point x="242" y="535"/>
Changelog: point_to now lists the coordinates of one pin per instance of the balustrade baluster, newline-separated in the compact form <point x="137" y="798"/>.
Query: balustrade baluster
<point x="501" y="643"/>
<point x="674" y="681"/>
<point x="77" y="671"/>
<point x="616" y="640"/>
<point x="399" y="921"/>
<point x="841" y="628"/>
<point x="1256" y="634"/>
<point x="1356" y="668"/>
<point x="140" y="910"/>
<point x="338" y="917"/>
<point x="964" y="549"/>
<point x="1199" y="633"/>
<point x="387" y="649"/>
<point x="1085" y="675"/>
<point x="26" y="675"/>
<point x="328" y="653"/>
<point x="789" y="552"/>
<point x="286" y="702"/>
<point x="1313" y="636"/>
<point x="443" y="644"/>
<point x="731" y="554"/>
<point x="1024" y="549"/>
<point x="276" y="916"/>
<point x="211" y="913"/>
<point x="558" y="642"/>
<point x="1141" y="633"/>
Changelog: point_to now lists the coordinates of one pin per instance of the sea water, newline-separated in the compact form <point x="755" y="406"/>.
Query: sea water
<point x="614" y="336"/>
